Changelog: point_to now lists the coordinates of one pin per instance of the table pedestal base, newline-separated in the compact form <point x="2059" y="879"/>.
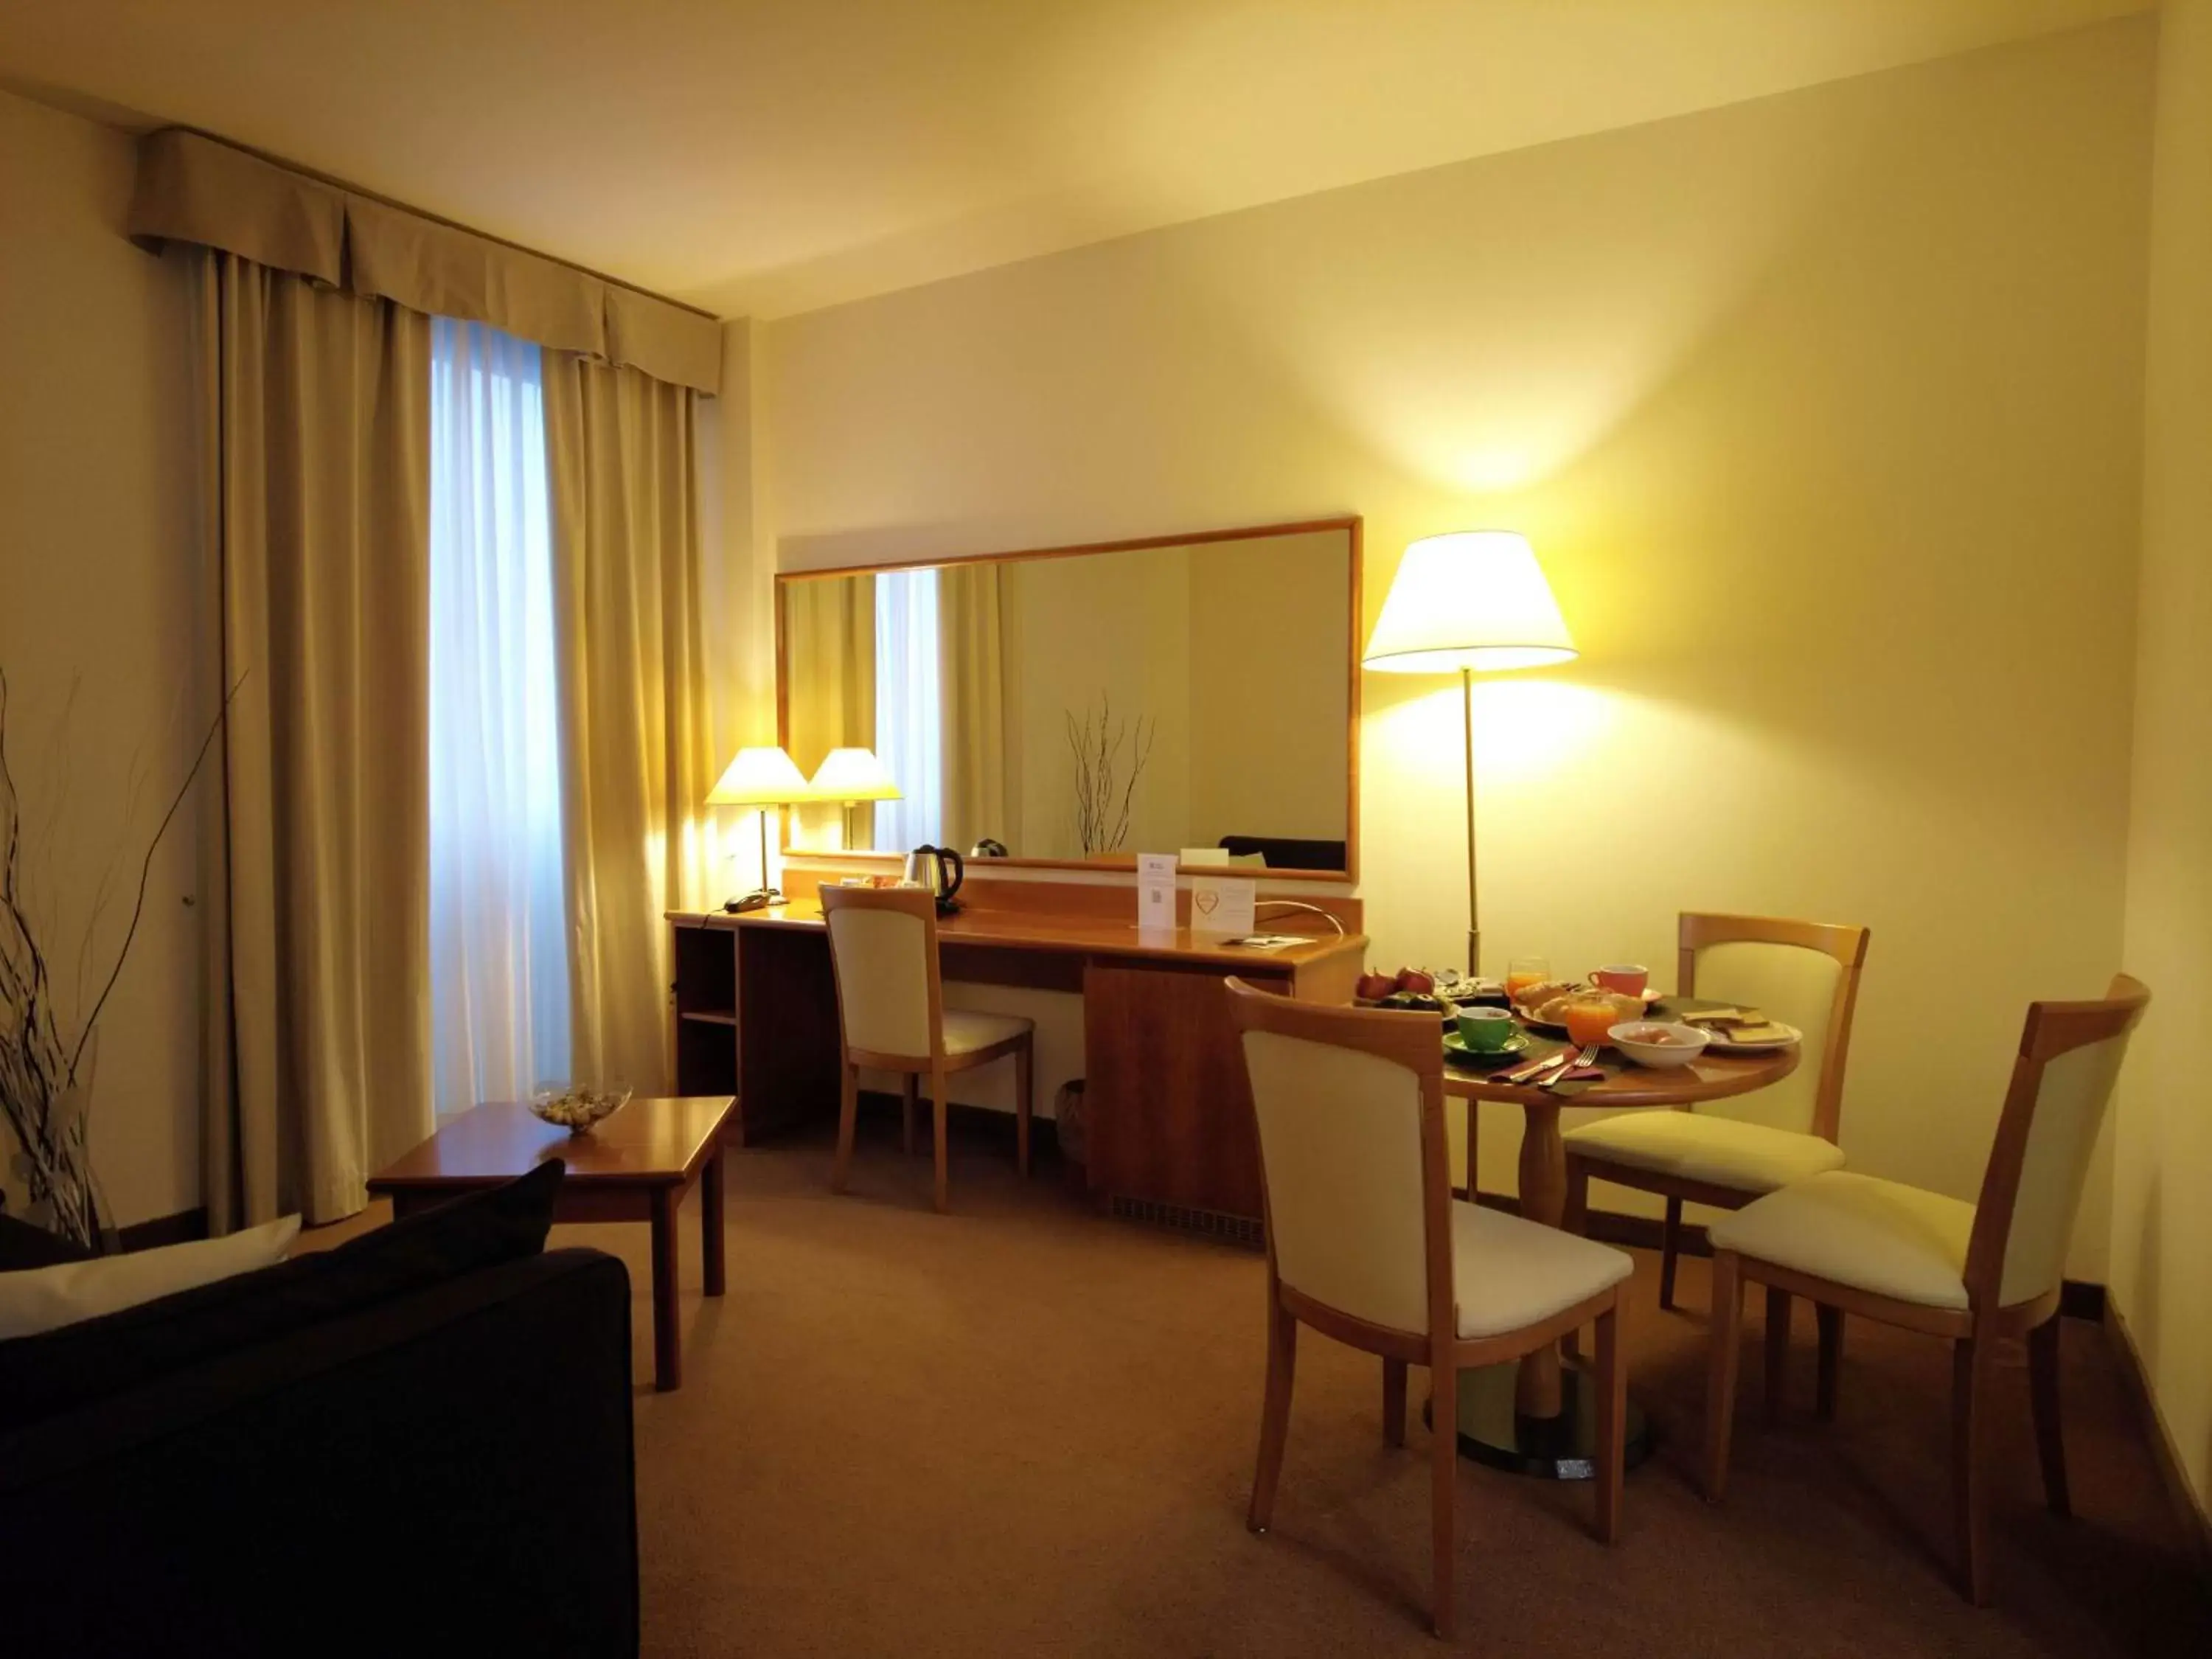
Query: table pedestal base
<point x="1562" y="1447"/>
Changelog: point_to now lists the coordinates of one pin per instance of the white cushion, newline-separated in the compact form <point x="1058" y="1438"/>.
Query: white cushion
<point x="42" y="1298"/>
<point x="967" y="1030"/>
<point x="1856" y="1230"/>
<point x="1507" y="1273"/>
<point x="1746" y="1157"/>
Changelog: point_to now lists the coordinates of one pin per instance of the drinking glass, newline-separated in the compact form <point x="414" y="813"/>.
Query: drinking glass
<point x="1521" y="972"/>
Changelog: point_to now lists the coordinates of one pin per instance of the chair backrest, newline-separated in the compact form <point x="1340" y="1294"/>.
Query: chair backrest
<point x="2061" y="1082"/>
<point x="1350" y="1107"/>
<point x="883" y="945"/>
<point x="1805" y="973"/>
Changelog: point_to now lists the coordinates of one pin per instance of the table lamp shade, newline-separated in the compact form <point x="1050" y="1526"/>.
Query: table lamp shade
<point x="759" y="777"/>
<point x="1475" y="598"/>
<point x="852" y="775"/>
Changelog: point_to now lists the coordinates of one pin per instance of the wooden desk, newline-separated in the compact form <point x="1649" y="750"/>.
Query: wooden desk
<point x="633" y="1166"/>
<point x="1169" y="1115"/>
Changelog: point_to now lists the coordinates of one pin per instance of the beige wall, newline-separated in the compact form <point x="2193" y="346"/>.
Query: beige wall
<point x="100" y="606"/>
<point x="2161" y="1265"/>
<point x="1824" y="412"/>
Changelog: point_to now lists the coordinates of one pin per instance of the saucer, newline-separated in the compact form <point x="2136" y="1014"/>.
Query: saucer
<point x="1459" y="1054"/>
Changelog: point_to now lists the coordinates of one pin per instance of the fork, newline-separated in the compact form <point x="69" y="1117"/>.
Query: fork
<point x="1585" y="1056"/>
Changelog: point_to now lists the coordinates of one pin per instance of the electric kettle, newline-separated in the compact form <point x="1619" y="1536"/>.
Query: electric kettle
<point x="940" y="869"/>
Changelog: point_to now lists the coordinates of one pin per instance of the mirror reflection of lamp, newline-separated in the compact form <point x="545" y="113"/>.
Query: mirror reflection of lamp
<point x="849" y="777"/>
<point x="765" y="778"/>
<point x="1474" y="601"/>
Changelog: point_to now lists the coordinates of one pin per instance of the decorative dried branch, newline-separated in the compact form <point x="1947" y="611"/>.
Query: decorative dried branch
<point x="42" y="1075"/>
<point x="1104" y="796"/>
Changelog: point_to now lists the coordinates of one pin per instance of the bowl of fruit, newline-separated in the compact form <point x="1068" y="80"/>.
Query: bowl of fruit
<point x="1409" y="989"/>
<point x="578" y="1108"/>
<point x="1658" y="1044"/>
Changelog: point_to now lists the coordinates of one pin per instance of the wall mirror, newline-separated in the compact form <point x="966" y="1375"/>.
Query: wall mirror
<point x="1074" y="707"/>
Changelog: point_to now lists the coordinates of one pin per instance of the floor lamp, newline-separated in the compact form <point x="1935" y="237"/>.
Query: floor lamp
<point x="1474" y="601"/>
<point x="766" y="778"/>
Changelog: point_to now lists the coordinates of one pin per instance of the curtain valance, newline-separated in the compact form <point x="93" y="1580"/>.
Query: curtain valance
<point x="192" y="188"/>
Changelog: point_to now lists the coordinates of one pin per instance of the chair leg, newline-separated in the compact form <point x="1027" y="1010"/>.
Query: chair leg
<point x="2043" y="1392"/>
<point x="1024" y="1078"/>
<point x="1970" y="1363"/>
<point x="1612" y="1422"/>
<point x="1393" y="1402"/>
<point x="1274" y="1412"/>
<point x="1832" y="1359"/>
<point x="1670" y="1247"/>
<point x="1444" y="1494"/>
<point x="1777" y="1349"/>
<point x="1575" y="1219"/>
<point x="909" y="1093"/>
<point x="940" y="1105"/>
<point x="1472" y="1147"/>
<point x="848" y="1114"/>
<point x="1720" y="1374"/>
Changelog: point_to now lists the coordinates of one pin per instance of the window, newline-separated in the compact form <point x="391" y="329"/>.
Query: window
<point x="907" y="699"/>
<point x="499" y="962"/>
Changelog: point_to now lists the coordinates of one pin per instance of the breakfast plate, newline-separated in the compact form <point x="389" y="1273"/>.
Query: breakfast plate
<point x="1535" y="1022"/>
<point x="1722" y="1043"/>
<point x="1457" y="1051"/>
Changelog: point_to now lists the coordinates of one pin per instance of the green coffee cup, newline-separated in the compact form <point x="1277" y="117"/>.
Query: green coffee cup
<point x="1486" y="1030"/>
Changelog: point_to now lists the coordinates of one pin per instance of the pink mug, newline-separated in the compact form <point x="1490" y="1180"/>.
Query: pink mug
<point x="1628" y="978"/>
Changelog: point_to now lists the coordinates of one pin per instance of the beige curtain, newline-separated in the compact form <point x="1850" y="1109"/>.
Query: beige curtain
<point x="636" y="738"/>
<point x="318" y="503"/>
<point x="830" y="678"/>
<point x="972" y="695"/>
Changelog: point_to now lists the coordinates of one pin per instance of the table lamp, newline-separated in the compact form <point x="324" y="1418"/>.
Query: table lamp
<point x="764" y="777"/>
<point x="1475" y="601"/>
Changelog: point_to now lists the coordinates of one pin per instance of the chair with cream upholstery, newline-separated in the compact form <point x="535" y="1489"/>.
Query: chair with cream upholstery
<point x="1730" y="1152"/>
<point x="1974" y="1273"/>
<point x="1366" y="1244"/>
<point x="891" y="1015"/>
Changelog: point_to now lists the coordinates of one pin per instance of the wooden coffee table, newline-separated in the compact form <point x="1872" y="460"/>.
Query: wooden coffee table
<point x="635" y="1166"/>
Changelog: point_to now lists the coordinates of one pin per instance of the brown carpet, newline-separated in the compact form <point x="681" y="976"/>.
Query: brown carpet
<point x="1024" y="1428"/>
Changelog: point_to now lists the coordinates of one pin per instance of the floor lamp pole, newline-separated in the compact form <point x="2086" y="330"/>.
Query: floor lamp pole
<point x="1474" y="915"/>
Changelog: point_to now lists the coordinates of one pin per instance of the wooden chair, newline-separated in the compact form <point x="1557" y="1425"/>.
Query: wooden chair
<point x="891" y="1015"/>
<point x="1366" y="1244"/>
<point x="1974" y="1273"/>
<point x="1804" y="972"/>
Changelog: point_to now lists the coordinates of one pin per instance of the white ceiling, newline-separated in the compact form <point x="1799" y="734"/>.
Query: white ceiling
<point x="761" y="158"/>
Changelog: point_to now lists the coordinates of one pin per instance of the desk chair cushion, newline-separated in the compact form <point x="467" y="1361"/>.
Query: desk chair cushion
<point x="1745" y="1157"/>
<point x="966" y="1030"/>
<point x="1857" y="1229"/>
<point x="883" y="979"/>
<point x="1507" y="1273"/>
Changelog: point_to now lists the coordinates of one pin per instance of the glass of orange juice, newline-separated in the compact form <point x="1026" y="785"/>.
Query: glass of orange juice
<point x="1521" y="972"/>
<point x="1590" y="1017"/>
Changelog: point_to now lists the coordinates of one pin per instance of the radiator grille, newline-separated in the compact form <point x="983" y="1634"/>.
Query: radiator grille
<point x="1238" y="1229"/>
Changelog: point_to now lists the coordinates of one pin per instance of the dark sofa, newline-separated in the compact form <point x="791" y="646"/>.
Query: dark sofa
<point x="446" y="1471"/>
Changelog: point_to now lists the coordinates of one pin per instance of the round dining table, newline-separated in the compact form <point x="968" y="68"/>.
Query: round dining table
<point x="1540" y="1416"/>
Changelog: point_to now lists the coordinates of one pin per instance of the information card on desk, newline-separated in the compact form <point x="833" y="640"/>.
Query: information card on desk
<point x="1156" y="892"/>
<point x="1222" y="904"/>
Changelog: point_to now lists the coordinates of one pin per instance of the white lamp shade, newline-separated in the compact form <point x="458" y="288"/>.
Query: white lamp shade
<point x="759" y="777"/>
<point x="852" y="775"/>
<point x="1475" y="598"/>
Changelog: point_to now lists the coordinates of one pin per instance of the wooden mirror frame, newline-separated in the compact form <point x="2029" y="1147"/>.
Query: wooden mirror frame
<point x="1350" y="524"/>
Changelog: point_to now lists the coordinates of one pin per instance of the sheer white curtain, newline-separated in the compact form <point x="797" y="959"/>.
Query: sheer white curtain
<point x="499" y="970"/>
<point x="908" y="700"/>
